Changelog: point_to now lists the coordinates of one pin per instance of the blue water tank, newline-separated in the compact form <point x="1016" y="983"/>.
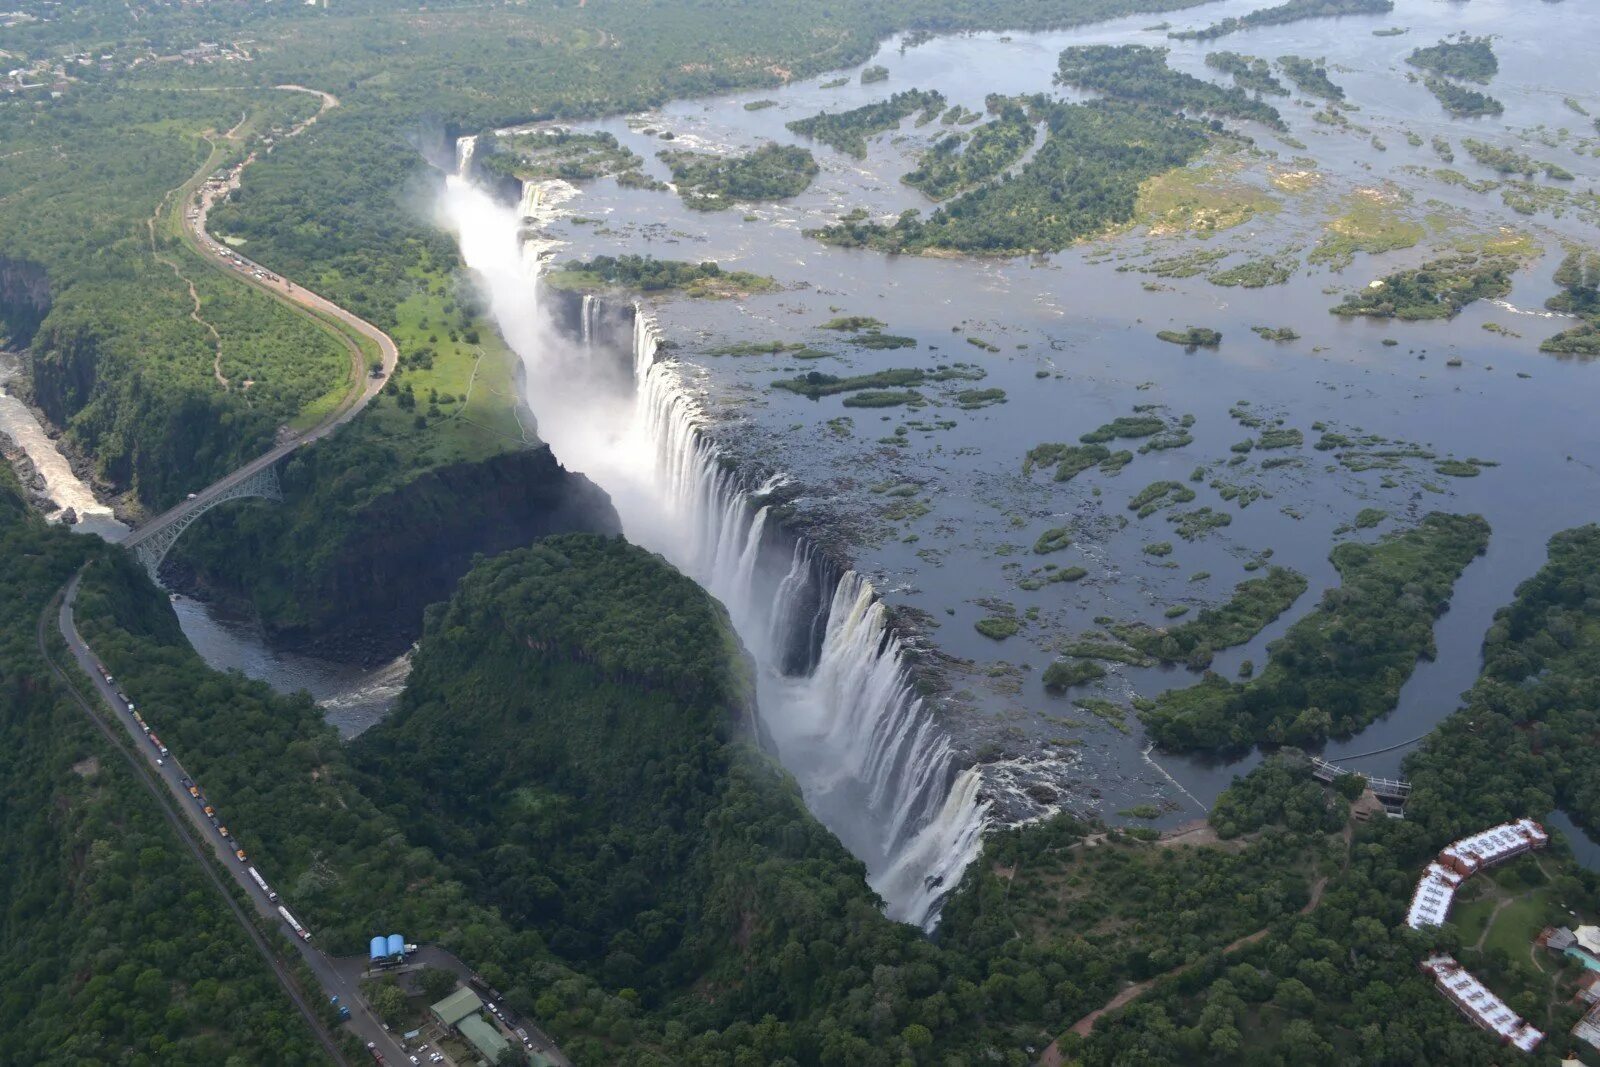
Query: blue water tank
<point x="379" y="948"/>
<point x="397" y="946"/>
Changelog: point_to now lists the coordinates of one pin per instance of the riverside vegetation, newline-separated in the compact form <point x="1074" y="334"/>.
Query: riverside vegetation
<point x="1292" y="11"/>
<point x="1342" y="665"/>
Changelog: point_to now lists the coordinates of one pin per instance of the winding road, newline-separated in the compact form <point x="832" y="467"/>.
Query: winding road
<point x="252" y="273"/>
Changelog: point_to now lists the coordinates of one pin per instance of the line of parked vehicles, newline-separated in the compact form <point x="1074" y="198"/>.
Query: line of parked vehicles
<point x="199" y="798"/>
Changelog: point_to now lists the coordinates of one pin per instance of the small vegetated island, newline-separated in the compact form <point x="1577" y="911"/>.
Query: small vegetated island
<point x="958" y="162"/>
<point x="650" y="275"/>
<point x="848" y="131"/>
<point x="1193" y="337"/>
<point x="1461" y="57"/>
<point x="559" y="153"/>
<point x="1293" y="11"/>
<point x="1310" y="76"/>
<point x="1465" y="57"/>
<point x="1436" y="290"/>
<point x="1342" y="666"/>
<point x="713" y="183"/>
<point x="1579" y="279"/>
<point x="1250" y="73"/>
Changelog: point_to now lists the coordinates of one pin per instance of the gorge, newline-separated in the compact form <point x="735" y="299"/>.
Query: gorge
<point x="833" y="689"/>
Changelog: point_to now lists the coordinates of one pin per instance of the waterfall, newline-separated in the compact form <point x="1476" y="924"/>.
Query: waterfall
<point x="833" y="690"/>
<point x="465" y="146"/>
<point x="586" y="322"/>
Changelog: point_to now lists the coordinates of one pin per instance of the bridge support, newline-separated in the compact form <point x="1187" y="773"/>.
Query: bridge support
<point x="153" y="548"/>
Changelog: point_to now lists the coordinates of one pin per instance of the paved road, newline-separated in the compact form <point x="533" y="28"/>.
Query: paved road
<point x="170" y="774"/>
<point x="254" y="274"/>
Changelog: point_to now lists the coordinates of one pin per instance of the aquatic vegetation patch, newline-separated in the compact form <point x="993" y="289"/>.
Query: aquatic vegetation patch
<point x="1256" y="273"/>
<point x="1134" y="426"/>
<point x="1275" y="333"/>
<point x="1193" y="525"/>
<point x="1283" y="437"/>
<point x="852" y="323"/>
<point x="816" y="384"/>
<point x="1114" y="715"/>
<point x="1158" y="548"/>
<point x="1157" y="495"/>
<point x="880" y="341"/>
<point x="1068" y="460"/>
<point x="1049" y="575"/>
<point x="1066" y="673"/>
<point x="973" y="399"/>
<point x="1462" y="468"/>
<point x="1367" y="518"/>
<point x="1199" y="199"/>
<point x="756" y="348"/>
<point x="1186" y="265"/>
<point x="1053" y="540"/>
<point x="885" y="398"/>
<point x="1372" y="221"/>
<point x="998" y="627"/>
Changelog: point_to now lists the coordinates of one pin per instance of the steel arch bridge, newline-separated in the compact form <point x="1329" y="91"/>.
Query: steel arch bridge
<point x="151" y="544"/>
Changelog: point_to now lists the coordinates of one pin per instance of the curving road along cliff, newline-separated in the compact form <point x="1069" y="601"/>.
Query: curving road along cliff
<point x="252" y="273"/>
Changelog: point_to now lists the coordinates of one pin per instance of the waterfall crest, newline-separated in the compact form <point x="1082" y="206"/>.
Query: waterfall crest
<point x="833" y="690"/>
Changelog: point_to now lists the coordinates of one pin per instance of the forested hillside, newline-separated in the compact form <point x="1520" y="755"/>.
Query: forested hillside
<point x="115" y="948"/>
<point x="1342" y="986"/>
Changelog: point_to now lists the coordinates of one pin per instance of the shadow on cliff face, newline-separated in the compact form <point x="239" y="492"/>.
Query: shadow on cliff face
<point x="351" y="583"/>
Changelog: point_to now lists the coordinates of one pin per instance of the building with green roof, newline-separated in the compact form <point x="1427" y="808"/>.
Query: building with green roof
<point x="484" y="1037"/>
<point x="457" y="1006"/>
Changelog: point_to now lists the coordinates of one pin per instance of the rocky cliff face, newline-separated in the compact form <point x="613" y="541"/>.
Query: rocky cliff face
<point x="24" y="299"/>
<point x="355" y="586"/>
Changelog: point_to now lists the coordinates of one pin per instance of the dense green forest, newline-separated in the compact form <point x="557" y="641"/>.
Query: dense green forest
<point x="115" y="947"/>
<point x="1255" y="603"/>
<point x="1341" y="666"/>
<point x="1084" y="179"/>
<point x="1292" y="11"/>
<point x="712" y="183"/>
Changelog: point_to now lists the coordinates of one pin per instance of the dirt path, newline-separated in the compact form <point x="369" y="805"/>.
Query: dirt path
<point x="1051" y="1057"/>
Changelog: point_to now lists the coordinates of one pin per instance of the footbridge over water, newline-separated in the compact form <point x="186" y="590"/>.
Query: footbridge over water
<point x="1392" y="791"/>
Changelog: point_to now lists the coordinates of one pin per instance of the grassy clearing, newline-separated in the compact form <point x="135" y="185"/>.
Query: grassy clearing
<point x="1204" y="199"/>
<point x="1371" y="221"/>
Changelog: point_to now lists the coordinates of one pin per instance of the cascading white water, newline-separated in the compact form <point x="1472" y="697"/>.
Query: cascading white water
<point x="465" y="146"/>
<point x="586" y="322"/>
<point x="874" y="765"/>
